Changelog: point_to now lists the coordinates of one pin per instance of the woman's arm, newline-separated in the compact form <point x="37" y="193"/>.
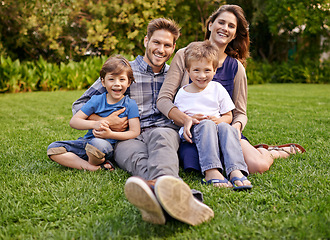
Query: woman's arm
<point x="240" y="98"/>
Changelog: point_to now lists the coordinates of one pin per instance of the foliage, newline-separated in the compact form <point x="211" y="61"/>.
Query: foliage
<point x="43" y="200"/>
<point x="259" y="72"/>
<point x="40" y="75"/>
<point x="69" y="29"/>
<point x="296" y="29"/>
<point x="16" y="76"/>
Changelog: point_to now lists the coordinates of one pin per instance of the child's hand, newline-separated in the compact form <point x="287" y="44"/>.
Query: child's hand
<point x="199" y="117"/>
<point x="101" y="125"/>
<point x="214" y="119"/>
<point x="105" y="134"/>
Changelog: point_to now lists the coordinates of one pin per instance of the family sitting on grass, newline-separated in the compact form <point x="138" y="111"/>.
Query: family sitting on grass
<point x="134" y="111"/>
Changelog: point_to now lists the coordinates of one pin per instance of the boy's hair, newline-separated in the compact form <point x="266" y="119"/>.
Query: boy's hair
<point x="201" y="50"/>
<point x="163" y="24"/>
<point x="116" y="65"/>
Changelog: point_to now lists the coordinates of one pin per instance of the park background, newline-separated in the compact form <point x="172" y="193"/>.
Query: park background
<point x="48" y="47"/>
<point x="61" y="44"/>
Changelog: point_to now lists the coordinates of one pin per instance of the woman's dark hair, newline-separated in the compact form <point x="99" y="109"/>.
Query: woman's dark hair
<point x="239" y="47"/>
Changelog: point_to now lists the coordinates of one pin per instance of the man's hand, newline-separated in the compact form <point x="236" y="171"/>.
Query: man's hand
<point x="116" y="123"/>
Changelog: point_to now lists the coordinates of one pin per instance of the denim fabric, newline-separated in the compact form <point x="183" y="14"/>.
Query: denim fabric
<point x="78" y="146"/>
<point x="210" y="139"/>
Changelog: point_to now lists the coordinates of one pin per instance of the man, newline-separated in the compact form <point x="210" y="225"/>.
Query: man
<point x="152" y="156"/>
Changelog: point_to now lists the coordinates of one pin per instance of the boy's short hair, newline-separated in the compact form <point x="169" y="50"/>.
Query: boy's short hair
<point x="163" y="24"/>
<point x="201" y="50"/>
<point x="116" y="65"/>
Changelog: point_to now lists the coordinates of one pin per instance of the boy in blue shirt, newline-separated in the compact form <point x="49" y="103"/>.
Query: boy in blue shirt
<point x="93" y="151"/>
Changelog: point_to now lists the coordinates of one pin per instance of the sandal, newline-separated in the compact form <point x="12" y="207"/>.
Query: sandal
<point x="293" y="146"/>
<point x="107" y="162"/>
<point x="213" y="181"/>
<point x="261" y="146"/>
<point x="240" y="188"/>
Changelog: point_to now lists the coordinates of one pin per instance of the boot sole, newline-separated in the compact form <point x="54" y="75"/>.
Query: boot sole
<point x="177" y="200"/>
<point x="141" y="196"/>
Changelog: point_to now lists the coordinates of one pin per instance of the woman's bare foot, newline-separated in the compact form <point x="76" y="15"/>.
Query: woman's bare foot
<point x="215" y="174"/>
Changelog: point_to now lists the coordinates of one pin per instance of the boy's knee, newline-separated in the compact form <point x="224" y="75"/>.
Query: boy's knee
<point x="99" y="148"/>
<point x="53" y="149"/>
<point x="206" y="124"/>
<point x="225" y="127"/>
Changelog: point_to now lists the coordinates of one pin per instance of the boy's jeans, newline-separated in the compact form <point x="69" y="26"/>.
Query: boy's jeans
<point x="210" y="139"/>
<point x="97" y="146"/>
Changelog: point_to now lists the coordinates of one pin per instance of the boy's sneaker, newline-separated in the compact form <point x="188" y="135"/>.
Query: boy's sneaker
<point x="177" y="200"/>
<point x="139" y="192"/>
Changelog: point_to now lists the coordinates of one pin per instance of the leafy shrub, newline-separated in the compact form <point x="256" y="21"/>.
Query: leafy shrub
<point x="259" y="72"/>
<point x="16" y="76"/>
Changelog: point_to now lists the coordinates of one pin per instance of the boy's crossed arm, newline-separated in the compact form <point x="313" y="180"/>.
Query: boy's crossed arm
<point x="101" y="128"/>
<point x="116" y="123"/>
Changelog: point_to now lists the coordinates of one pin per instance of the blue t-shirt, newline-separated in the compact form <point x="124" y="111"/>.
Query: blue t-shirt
<point x="98" y="104"/>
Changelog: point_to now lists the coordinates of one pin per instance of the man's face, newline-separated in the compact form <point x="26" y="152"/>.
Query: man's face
<point x="159" y="49"/>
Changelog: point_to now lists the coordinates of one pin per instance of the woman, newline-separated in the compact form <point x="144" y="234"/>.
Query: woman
<point x="227" y="28"/>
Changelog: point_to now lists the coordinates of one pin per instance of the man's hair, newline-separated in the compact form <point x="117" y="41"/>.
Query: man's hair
<point x="163" y="24"/>
<point x="197" y="51"/>
<point x="117" y="65"/>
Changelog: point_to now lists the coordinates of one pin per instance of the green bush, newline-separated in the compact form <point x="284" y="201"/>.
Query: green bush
<point x="259" y="72"/>
<point x="16" y="76"/>
<point x="28" y="76"/>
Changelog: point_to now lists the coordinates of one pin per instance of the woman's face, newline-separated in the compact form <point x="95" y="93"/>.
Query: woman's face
<point x="223" y="29"/>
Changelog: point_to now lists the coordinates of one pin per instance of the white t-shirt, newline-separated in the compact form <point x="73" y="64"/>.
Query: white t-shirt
<point x="214" y="100"/>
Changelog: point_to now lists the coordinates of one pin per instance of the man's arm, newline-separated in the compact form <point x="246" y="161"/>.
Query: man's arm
<point x="95" y="89"/>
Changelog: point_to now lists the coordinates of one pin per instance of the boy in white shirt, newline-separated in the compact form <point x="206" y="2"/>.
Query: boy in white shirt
<point x="209" y="105"/>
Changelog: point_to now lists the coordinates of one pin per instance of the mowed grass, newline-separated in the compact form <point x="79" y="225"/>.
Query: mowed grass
<point x="43" y="200"/>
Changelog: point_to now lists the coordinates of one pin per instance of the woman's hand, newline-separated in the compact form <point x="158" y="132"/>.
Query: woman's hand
<point x="189" y="122"/>
<point x="238" y="126"/>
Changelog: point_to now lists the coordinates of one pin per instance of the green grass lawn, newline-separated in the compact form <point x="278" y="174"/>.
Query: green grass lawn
<point x="43" y="200"/>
